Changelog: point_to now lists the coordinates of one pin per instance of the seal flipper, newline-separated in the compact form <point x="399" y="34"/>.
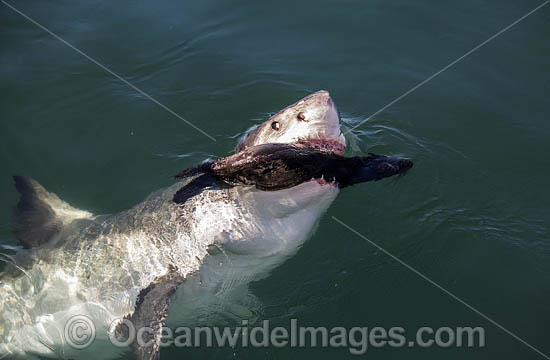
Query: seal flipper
<point x="195" y="187"/>
<point x="40" y="215"/>
<point x="204" y="168"/>
<point x="151" y="308"/>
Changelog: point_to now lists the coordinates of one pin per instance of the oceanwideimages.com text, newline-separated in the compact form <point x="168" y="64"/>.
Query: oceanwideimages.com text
<point x="357" y="340"/>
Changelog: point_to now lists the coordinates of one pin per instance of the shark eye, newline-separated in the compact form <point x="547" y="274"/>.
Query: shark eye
<point x="275" y="125"/>
<point x="301" y="116"/>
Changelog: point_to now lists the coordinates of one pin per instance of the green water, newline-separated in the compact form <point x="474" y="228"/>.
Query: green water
<point x="472" y="215"/>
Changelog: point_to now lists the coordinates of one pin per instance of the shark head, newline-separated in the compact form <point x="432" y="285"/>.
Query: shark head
<point x="313" y="120"/>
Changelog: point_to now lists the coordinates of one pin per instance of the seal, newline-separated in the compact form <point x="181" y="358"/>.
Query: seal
<point x="185" y="250"/>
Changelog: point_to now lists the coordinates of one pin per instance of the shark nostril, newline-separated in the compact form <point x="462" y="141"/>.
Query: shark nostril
<point x="301" y="116"/>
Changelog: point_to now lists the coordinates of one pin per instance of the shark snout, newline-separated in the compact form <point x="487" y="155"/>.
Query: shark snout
<point x="324" y="96"/>
<point x="330" y="102"/>
<point x="313" y="118"/>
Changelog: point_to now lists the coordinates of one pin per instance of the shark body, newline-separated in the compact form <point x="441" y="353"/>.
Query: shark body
<point x="131" y="265"/>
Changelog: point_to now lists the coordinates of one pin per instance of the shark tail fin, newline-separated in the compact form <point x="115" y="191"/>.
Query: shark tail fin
<point x="40" y="214"/>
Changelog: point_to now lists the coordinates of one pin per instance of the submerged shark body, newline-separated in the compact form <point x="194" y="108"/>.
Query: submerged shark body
<point x="129" y="265"/>
<point x="98" y="266"/>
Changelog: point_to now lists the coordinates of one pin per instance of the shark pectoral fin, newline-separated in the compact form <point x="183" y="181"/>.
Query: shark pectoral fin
<point x="40" y="214"/>
<point x="150" y="314"/>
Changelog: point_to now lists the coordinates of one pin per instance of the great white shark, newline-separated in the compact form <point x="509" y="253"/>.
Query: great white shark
<point x="221" y="225"/>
